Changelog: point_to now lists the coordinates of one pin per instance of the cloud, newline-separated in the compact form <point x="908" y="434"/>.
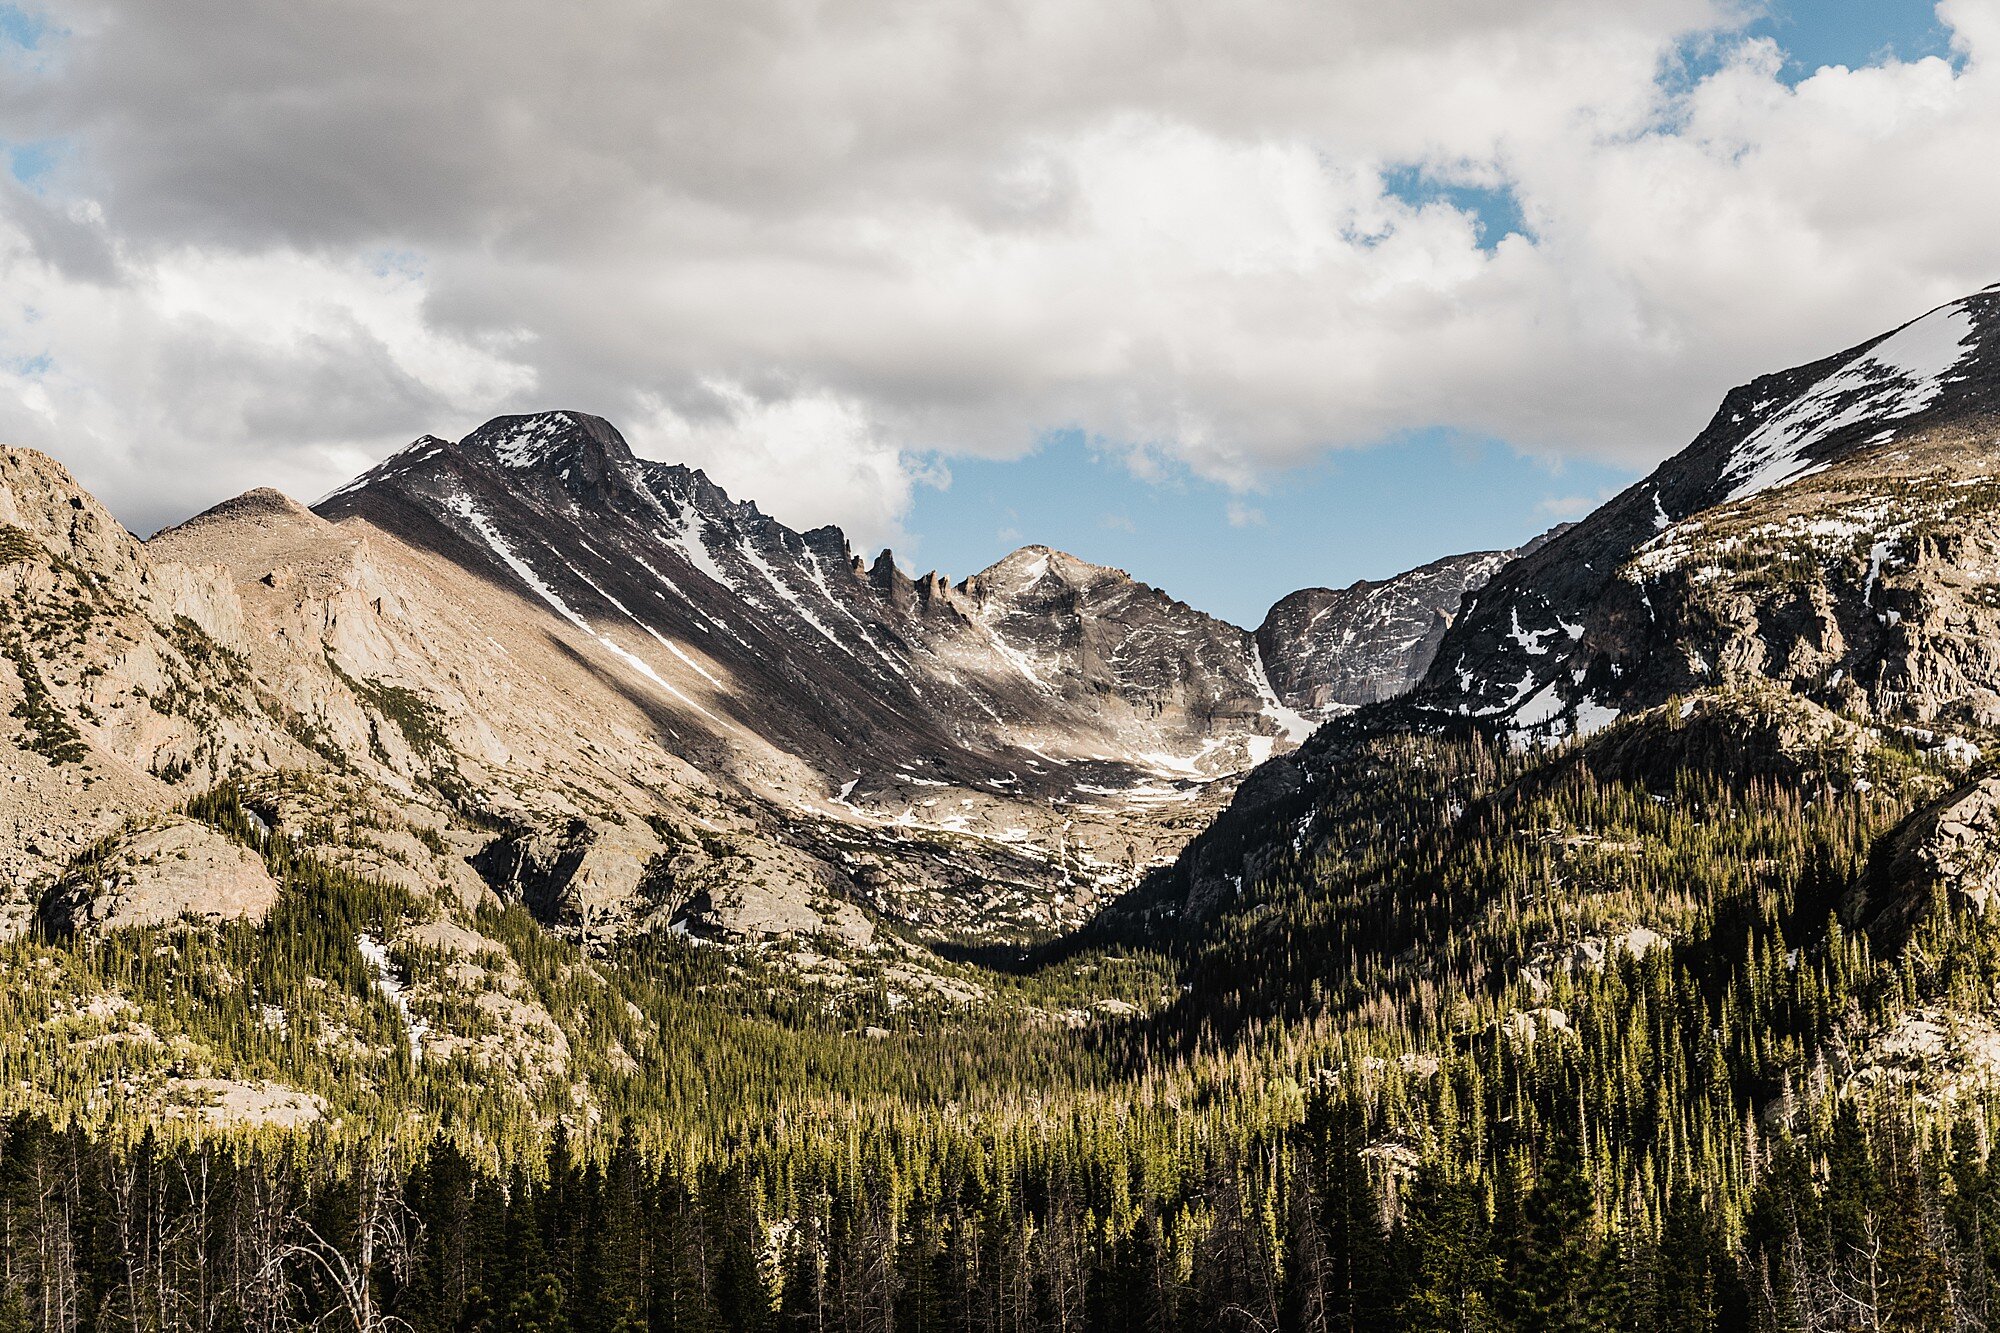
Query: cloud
<point x="806" y="458"/>
<point x="806" y="246"/>
<point x="1241" y="515"/>
<point x="1566" y="507"/>
<point x="207" y="373"/>
<point x="1117" y="523"/>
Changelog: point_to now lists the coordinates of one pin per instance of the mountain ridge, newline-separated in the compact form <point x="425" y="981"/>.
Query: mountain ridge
<point x="739" y="577"/>
<point x="1555" y="642"/>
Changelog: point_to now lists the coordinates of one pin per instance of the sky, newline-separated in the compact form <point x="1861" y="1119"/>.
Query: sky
<point x="1240" y="298"/>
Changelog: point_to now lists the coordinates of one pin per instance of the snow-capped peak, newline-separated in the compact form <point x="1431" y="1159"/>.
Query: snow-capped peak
<point x="548" y="440"/>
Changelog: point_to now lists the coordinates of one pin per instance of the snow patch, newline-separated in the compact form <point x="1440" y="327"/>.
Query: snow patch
<point x="527" y="445"/>
<point x="755" y="559"/>
<point x="1019" y="660"/>
<point x="1530" y="641"/>
<point x="1592" y="716"/>
<point x="391" y="986"/>
<point x="1542" y="707"/>
<point x="690" y="538"/>
<point x="1876" y="555"/>
<point x="464" y="508"/>
<point x="1898" y="377"/>
<point x="1293" y="725"/>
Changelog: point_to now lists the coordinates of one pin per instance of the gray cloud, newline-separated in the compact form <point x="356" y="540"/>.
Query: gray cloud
<point x="73" y="248"/>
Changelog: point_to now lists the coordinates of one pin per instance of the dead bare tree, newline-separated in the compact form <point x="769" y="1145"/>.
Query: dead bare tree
<point x="55" y="1252"/>
<point x="260" y="1224"/>
<point x="386" y="1234"/>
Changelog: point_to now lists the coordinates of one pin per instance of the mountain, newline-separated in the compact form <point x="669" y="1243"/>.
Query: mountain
<point x="1329" y="650"/>
<point x="1689" y="836"/>
<point x="1804" y="596"/>
<point x="734" y="622"/>
<point x="1832" y="530"/>
<point x="1005" y="749"/>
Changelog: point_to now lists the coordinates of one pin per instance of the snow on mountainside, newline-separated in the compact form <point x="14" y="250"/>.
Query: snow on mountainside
<point x="992" y="755"/>
<point x="1895" y="378"/>
<point x="1834" y="528"/>
<point x="1805" y="600"/>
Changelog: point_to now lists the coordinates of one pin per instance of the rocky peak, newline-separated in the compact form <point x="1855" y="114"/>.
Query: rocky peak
<point x="550" y="442"/>
<point x="891" y="583"/>
<point x="262" y="507"/>
<point x="40" y="497"/>
<point x="689" y="487"/>
<point x="1041" y="575"/>
<point x="830" y="544"/>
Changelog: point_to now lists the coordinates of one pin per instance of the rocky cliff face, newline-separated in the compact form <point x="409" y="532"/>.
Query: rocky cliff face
<point x="1836" y="529"/>
<point x="154" y="874"/>
<point x="1329" y="650"/>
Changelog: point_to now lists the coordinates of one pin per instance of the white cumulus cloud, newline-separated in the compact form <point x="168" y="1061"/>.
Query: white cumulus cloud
<point x="814" y="246"/>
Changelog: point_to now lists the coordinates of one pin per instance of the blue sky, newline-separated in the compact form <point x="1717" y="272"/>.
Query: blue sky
<point x="1360" y="513"/>
<point x="1851" y="32"/>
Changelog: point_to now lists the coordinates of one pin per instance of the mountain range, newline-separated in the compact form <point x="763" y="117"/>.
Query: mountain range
<point x="1591" y="934"/>
<point x="626" y="670"/>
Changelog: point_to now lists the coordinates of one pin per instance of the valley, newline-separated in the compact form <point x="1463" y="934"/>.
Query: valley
<point x="1594" y="934"/>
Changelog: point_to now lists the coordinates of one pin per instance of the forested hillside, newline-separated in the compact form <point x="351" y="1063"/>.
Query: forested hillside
<point x="1506" y="1107"/>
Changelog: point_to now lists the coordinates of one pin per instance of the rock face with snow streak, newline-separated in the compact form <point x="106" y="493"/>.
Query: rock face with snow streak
<point x="1328" y="650"/>
<point x="1836" y="529"/>
<point x="728" y="622"/>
